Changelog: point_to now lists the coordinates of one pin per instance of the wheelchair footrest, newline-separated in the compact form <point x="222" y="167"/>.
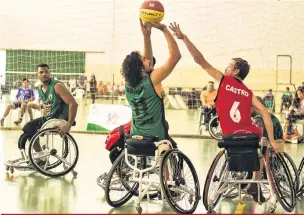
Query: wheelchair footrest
<point x="20" y="164"/>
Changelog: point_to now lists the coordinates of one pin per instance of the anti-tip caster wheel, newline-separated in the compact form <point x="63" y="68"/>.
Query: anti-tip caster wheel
<point x="74" y="174"/>
<point x="12" y="170"/>
<point x="272" y="208"/>
<point x="210" y="209"/>
<point x="139" y="209"/>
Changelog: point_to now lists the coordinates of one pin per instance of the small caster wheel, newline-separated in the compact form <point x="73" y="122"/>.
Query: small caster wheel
<point x="139" y="210"/>
<point x="7" y="168"/>
<point x="74" y="174"/>
<point x="210" y="209"/>
<point x="12" y="170"/>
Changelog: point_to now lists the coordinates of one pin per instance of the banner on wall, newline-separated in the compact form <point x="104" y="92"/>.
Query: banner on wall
<point x="106" y="117"/>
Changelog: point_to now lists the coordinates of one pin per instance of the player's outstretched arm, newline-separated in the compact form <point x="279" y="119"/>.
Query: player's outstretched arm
<point x="196" y="54"/>
<point x="159" y="74"/>
<point x="146" y="31"/>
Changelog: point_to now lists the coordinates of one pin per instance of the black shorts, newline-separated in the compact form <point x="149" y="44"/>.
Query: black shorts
<point x="34" y="125"/>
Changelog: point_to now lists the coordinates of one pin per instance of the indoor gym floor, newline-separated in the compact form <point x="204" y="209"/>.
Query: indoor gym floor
<point x="27" y="192"/>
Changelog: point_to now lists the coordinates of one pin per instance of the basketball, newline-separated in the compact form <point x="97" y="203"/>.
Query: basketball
<point x="151" y="11"/>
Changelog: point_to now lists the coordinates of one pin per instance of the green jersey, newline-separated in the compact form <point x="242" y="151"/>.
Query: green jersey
<point x="277" y="128"/>
<point x="59" y="109"/>
<point x="148" y="117"/>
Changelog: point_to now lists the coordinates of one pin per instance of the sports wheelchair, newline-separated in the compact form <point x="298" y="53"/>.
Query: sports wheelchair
<point x="56" y="155"/>
<point x="202" y="118"/>
<point x="301" y="178"/>
<point x="147" y="167"/>
<point x="232" y="169"/>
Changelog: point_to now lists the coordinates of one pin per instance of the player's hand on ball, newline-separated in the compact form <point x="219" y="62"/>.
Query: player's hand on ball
<point x="177" y="32"/>
<point x="145" y="28"/>
<point x="158" y="25"/>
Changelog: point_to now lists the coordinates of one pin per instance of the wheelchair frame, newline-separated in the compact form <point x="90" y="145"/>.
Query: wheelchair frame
<point x="138" y="174"/>
<point x="225" y="184"/>
<point x="49" y="126"/>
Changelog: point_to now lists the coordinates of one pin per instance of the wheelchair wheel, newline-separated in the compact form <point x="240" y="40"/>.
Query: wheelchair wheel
<point x="117" y="182"/>
<point x="301" y="177"/>
<point x="180" y="190"/>
<point x="281" y="180"/>
<point x="214" y="128"/>
<point x="213" y="180"/>
<point x="58" y="156"/>
<point x="293" y="170"/>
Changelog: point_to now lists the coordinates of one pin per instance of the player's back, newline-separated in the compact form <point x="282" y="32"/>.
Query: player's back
<point x="233" y="104"/>
<point x="147" y="110"/>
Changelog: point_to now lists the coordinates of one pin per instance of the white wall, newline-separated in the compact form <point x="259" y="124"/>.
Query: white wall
<point x="254" y="30"/>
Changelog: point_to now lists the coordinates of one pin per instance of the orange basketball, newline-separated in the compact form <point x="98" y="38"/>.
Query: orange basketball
<point x="151" y="11"/>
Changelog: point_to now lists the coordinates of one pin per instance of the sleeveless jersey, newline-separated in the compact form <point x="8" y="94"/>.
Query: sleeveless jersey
<point x="59" y="109"/>
<point x="148" y="116"/>
<point x="233" y="104"/>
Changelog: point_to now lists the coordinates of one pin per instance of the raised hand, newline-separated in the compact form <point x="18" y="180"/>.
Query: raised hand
<point x="145" y="28"/>
<point x="177" y="32"/>
<point x="158" y="25"/>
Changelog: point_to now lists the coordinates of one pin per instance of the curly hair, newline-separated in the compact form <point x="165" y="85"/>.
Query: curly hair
<point x="132" y="67"/>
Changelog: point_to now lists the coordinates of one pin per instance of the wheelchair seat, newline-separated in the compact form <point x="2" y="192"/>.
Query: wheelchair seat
<point x="242" y="152"/>
<point x="141" y="145"/>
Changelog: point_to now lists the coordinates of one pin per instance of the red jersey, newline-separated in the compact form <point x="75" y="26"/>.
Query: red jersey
<point x="233" y="106"/>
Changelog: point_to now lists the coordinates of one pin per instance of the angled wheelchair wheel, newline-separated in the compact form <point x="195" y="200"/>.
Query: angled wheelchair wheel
<point x="214" y="128"/>
<point x="51" y="154"/>
<point x="179" y="181"/>
<point x="118" y="183"/>
<point x="293" y="170"/>
<point x="214" y="180"/>
<point x="281" y="181"/>
<point x="301" y="178"/>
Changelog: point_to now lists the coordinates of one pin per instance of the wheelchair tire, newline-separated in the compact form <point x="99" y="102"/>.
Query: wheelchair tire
<point x="178" y="180"/>
<point x="129" y="191"/>
<point x="301" y="178"/>
<point x="275" y="164"/>
<point x="214" y="121"/>
<point x="293" y="170"/>
<point x="208" y="181"/>
<point x="57" y="163"/>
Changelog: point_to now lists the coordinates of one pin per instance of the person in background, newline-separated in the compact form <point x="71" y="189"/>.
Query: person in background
<point x="93" y="87"/>
<point x="286" y="100"/>
<point x="23" y="97"/>
<point x="291" y="132"/>
<point x="72" y="83"/>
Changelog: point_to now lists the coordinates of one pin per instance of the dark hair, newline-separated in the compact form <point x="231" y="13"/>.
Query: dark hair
<point x="132" y="67"/>
<point x="42" y="65"/>
<point x="260" y="100"/>
<point x="25" y="79"/>
<point x="243" y="66"/>
<point x="287" y="88"/>
<point x="210" y="82"/>
<point x="296" y="100"/>
<point x="154" y="61"/>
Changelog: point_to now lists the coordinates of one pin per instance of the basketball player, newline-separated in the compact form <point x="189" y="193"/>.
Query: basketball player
<point x="58" y="102"/>
<point x="143" y="88"/>
<point x="234" y="99"/>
